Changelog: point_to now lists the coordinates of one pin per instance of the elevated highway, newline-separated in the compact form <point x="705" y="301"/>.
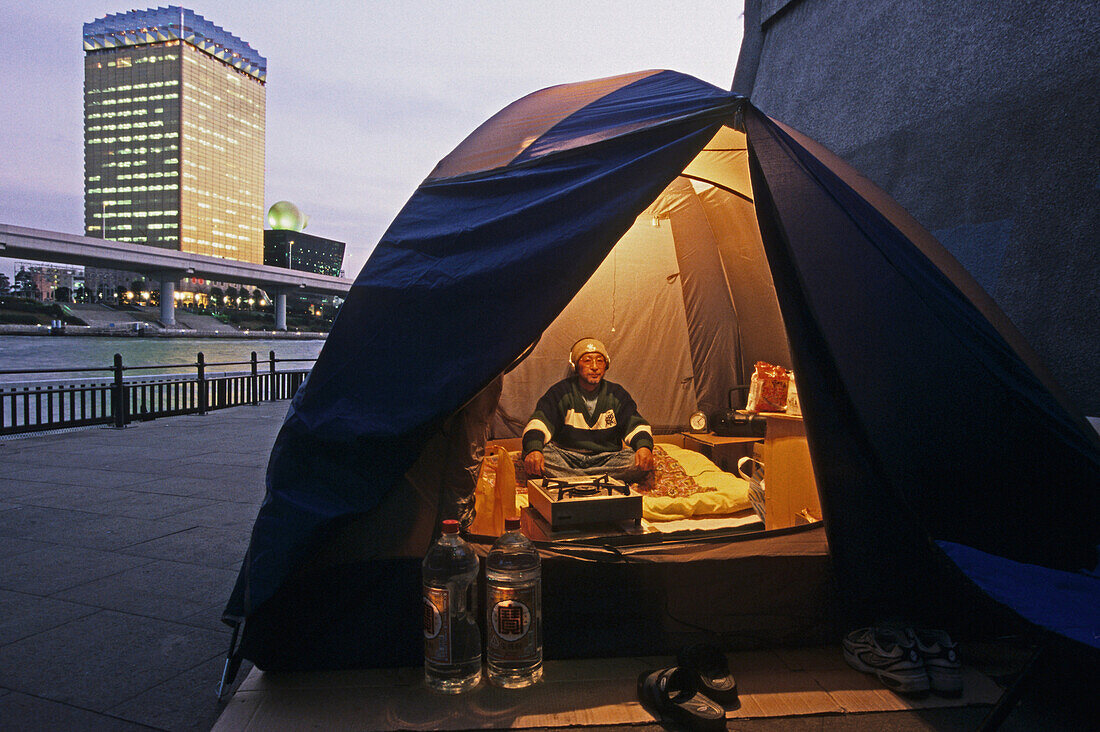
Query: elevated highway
<point x="165" y="266"/>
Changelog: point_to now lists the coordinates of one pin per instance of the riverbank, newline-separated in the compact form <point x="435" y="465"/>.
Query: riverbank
<point x="29" y="359"/>
<point x="147" y="330"/>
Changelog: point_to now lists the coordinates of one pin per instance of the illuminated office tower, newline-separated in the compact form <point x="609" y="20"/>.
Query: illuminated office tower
<point x="174" y="134"/>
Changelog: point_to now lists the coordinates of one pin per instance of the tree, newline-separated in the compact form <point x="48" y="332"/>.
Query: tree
<point x="231" y="293"/>
<point x="216" y="296"/>
<point x="5" y="284"/>
<point x="62" y="294"/>
<point x="24" y="284"/>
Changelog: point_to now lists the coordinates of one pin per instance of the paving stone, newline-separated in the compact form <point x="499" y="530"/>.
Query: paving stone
<point x="157" y="589"/>
<point x="12" y="489"/>
<point x="201" y="545"/>
<point x="211" y="616"/>
<point x="56" y="568"/>
<point x="223" y="515"/>
<point x="185" y="703"/>
<point x="134" y="462"/>
<point x="41" y="453"/>
<point x="39" y="523"/>
<point x="26" y="712"/>
<point x="101" y="660"/>
<point x="251" y="493"/>
<point x="112" y="501"/>
<point x="80" y="528"/>
<point x="23" y="615"/>
<point x="203" y="488"/>
<point x="248" y="459"/>
<point x="65" y="472"/>
<point x="241" y="474"/>
<point x="11" y="546"/>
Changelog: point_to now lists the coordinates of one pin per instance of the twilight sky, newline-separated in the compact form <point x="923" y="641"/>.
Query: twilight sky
<point x="363" y="98"/>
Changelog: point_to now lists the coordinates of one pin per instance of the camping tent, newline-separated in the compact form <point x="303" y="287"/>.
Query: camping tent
<point x="933" y="429"/>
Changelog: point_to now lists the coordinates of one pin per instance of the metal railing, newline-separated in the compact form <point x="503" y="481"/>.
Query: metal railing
<point x="122" y="400"/>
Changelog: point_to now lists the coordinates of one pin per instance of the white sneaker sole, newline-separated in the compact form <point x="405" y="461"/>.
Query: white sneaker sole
<point x="903" y="681"/>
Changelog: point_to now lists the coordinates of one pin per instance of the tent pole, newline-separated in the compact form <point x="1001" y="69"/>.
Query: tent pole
<point x="232" y="661"/>
<point x="719" y="186"/>
<point x="1014" y="693"/>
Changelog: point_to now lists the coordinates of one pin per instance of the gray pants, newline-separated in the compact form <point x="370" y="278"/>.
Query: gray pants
<point x="562" y="463"/>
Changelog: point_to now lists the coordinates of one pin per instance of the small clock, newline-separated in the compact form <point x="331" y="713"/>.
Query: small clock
<point x="698" y="422"/>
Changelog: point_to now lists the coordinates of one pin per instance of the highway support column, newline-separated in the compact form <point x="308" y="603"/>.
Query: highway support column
<point x="280" y="310"/>
<point x="168" y="301"/>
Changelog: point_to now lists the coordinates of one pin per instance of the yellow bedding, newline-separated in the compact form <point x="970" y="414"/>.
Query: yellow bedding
<point x="730" y="493"/>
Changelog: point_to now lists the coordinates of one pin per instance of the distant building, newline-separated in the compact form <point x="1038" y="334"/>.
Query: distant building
<point x="174" y="110"/>
<point x="304" y="252"/>
<point x="286" y="246"/>
<point x="41" y="281"/>
<point x="104" y="284"/>
<point x="978" y="118"/>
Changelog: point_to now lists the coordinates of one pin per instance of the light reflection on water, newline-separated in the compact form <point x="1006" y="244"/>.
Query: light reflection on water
<point x="55" y="352"/>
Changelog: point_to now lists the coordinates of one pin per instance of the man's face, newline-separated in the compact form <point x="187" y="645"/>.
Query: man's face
<point x="591" y="368"/>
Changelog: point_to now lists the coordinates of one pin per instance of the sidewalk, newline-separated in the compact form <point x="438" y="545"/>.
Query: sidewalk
<point x="119" y="549"/>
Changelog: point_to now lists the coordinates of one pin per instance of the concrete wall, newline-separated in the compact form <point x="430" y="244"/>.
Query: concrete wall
<point x="981" y="119"/>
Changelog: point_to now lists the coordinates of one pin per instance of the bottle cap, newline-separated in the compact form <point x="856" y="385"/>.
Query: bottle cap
<point x="511" y="524"/>
<point x="450" y="526"/>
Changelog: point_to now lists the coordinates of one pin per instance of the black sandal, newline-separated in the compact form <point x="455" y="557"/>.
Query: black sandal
<point x="670" y="695"/>
<point x="710" y="672"/>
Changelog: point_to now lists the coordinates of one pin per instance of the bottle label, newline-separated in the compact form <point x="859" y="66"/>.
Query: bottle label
<point x="513" y="631"/>
<point x="437" y="624"/>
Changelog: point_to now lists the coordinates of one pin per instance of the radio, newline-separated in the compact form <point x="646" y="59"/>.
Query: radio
<point x="737" y="422"/>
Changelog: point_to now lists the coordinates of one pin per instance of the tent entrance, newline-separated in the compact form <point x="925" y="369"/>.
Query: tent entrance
<point x="685" y="303"/>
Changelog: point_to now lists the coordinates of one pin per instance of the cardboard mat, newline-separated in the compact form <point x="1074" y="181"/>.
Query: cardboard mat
<point x="578" y="693"/>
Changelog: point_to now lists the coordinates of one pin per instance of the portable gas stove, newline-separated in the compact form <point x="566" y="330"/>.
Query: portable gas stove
<point x="583" y="500"/>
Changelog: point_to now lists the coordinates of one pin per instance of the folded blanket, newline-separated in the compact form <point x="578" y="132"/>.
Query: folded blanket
<point x="686" y="483"/>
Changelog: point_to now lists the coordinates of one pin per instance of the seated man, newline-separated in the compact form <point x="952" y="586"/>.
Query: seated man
<point x="580" y="424"/>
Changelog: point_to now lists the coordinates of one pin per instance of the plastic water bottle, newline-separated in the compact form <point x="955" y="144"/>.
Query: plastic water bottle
<point x="513" y="621"/>
<point x="452" y="641"/>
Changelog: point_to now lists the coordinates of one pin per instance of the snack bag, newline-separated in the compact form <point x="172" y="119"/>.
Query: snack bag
<point x="768" y="388"/>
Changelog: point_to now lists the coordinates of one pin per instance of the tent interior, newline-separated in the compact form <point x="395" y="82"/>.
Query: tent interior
<point x="684" y="301"/>
<point x="763" y="247"/>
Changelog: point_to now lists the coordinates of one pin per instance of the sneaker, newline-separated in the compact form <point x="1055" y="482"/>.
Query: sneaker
<point x="890" y="655"/>
<point x="941" y="661"/>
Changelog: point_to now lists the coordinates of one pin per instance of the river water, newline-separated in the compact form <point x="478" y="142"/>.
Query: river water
<point x="55" y="352"/>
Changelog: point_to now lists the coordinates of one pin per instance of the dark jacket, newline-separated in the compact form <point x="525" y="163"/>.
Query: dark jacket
<point x="560" y="417"/>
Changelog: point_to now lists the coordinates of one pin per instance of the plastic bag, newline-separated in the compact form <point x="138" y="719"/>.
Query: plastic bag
<point x="495" y="493"/>
<point x="768" y="388"/>
<point x="794" y="408"/>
